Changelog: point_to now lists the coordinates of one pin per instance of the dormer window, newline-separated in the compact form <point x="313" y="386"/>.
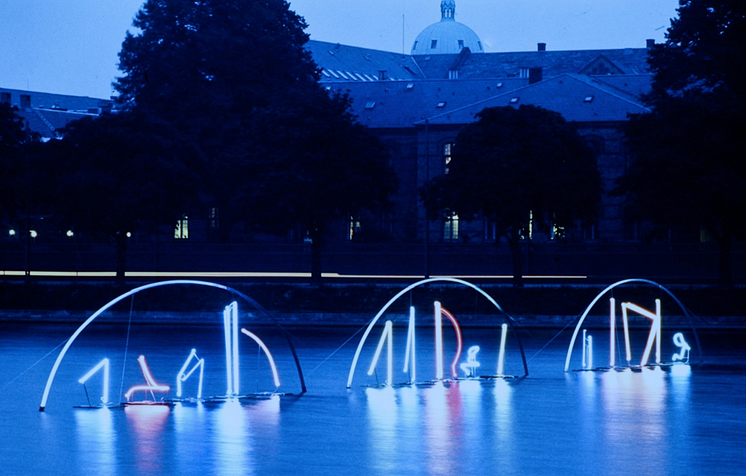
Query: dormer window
<point x="433" y="44"/>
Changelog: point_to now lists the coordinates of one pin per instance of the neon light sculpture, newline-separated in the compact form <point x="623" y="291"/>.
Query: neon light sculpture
<point x="273" y="367"/>
<point x="409" y="354"/>
<point x="105" y="364"/>
<point x="79" y="330"/>
<point x="182" y="376"/>
<point x="386" y="337"/>
<point x="501" y="354"/>
<point x="151" y="385"/>
<point x="655" y="329"/>
<point x="438" y="341"/>
<point x="230" y="331"/>
<point x="380" y="313"/>
<point x="470" y="366"/>
<point x="459" y="343"/>
<point x="680" y="342"/>
<point x="587" y="350"/>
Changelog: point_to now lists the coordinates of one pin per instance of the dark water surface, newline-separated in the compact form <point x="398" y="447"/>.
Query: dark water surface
<point x="664" y="421"/>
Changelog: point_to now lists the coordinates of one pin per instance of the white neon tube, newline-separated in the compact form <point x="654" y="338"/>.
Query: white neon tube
<point x="438" y="342"/>
<point x="272" y="366"/>
<point x="409" y="354"/>
<point x="228" y="353"/>
<point x="105" y="364"/>
<point x="152" y="385"/>
<point x="584" y="361"/>
<point x="182" y="376"/>
<point x="386" y="338"/>
<point x="612" y="332"/>
<point x="234" y="346"/>
<point x="625" y="321"/>
<point x="501" y="355"/>
<point x="590" y="352"/>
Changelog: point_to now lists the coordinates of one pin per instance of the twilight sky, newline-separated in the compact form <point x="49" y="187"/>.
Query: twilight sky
<point x="71" y="46"/>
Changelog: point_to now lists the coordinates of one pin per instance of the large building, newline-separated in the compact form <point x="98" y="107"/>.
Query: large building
<point x="418" y="103"/>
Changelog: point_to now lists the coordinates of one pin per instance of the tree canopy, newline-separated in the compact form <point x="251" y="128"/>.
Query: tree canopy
<point x="513" y="164"/>
<point x="689" y="153"/>
<point x="12" y="140"/>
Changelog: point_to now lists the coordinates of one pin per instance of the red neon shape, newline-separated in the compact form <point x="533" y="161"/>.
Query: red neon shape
<point x="152" y="385"/>
<point x="459" y="344"/>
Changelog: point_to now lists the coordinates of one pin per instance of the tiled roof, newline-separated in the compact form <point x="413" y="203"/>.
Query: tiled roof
<point x="577" y="97"/>
<point x="353" y="64"/>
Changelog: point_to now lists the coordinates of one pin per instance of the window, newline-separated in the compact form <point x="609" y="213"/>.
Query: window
<point x="370" y="105"/>
<point x="433" y="44"/>
<point x="212" y="219"/>
<point x="25" y="100"/>
<point x="353" y="228"/>
<point x="523" y="73"/>
<point x="447" y="156"/>
<point x="181" y="231"/>
<point x="450" y="226"/>
<point x="4" y="98"/>
<point x="461" y="44"/>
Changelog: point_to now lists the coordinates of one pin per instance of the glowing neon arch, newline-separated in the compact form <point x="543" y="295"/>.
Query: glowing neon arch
<point x="417" y="284"/>
<point x="620" y="283"/>
<point x="80" y="329"/>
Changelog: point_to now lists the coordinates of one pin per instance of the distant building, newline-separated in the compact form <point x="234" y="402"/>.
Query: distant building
<point x="418" y="103"/>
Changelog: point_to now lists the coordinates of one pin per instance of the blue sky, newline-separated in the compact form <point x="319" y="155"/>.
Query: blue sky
<point x="71" y="46"/>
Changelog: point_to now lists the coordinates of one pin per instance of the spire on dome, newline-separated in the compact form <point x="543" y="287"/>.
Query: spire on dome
<point x="447" y="10"/>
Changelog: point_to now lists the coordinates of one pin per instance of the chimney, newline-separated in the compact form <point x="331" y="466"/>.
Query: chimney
<point x="542" y="46"/>
<point x="535" y="75"/>
<point x="650" y="42"/>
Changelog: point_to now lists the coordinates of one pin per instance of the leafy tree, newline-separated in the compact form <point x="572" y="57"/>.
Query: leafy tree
<point x="214" y="69"/>
<point x="115" y="175"/>
<point x="512" y="164"/>
<point x="13" y="138"/>
<point x="327" y="167"/>
<point x="690" y="151"/>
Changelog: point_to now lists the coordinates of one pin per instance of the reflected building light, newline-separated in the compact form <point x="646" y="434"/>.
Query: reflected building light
<point x="470" y="366"/>
<point x="683" y="355"/>
<point x="386" y="338"/>
<point x="182" y="376"/>
<point x="263" y="346"/>
<point x="105" y="393"/>
<point x="151" y="386"/>
<point x="501" y="354"/>
<point x="410" y="349"/>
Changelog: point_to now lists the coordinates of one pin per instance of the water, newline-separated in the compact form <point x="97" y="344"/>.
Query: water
<point x="667" y="422"/>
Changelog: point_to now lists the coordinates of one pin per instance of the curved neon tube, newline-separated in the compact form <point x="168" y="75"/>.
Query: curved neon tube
<point x="609" y="288"/>
<point x="372" y="323"/>
<point x="459" y="343"/>
<point x="261" y="344"/>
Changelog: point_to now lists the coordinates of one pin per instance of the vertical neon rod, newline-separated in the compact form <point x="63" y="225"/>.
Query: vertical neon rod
<point x="410" y="351"/>
<point x="659" y="318"/>
<point x="438" y="341"/>
<point x="385" y="339"/>
<point x="105" y="364"/>
<point x="234" y="347"/>
<point x="272" y="366"/>
<point x="612" y="332"/>
<point x="501" y="355"/>
<point x="180" y="376"/>
<point x="585" y="349"/>
<point x="625" y="320"/>
<point x="228" y="353"/>
<point x="655" y="329"/>
<point x="390" y="355"/>
<point x="183" y="375"/>
<point x="590" y="352"/>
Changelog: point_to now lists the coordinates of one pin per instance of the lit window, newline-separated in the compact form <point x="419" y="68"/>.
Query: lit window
<point x="441" y="104"/>
<point x="447" y="156"/>
<point x="181" y="231"/>
<point x="370" y="105"/>
<point x="523" y="73"/>
<point x="513" y="100"/>
<point x="450" y="226"/>
<point x="588" y="99"/>
<point x="354" y="228"/>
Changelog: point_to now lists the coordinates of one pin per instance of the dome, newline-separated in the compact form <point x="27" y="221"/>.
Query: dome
<point x="447" y="36"/>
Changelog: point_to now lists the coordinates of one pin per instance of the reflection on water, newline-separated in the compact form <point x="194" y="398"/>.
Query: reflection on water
<point x="148" y="423"/>
<point x="95" y="431"/>
<point x="232" y="445"/>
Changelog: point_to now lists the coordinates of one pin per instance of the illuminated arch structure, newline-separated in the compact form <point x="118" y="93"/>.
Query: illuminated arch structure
<point x="439" y="313"/>
<point x="68" y="344"/>
<point x="654" y="337"/>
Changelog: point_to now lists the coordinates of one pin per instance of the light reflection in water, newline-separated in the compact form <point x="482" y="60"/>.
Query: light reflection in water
<point x="443" y="428"/>
<point x="95" y="432"/>
<point x="148" y="422"/>
<point x="231" y="439"/>
<point x="503" y="427"/>
<point x="383" y="416"/>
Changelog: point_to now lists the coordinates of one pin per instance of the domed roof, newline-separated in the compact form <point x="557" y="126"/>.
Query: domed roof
<point x="447" y="36"/>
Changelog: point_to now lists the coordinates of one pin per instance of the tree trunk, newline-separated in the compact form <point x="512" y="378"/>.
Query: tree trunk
<point x="121" y="242"/>
<point x="514" y="241"/>
<point x="317" y="244"/>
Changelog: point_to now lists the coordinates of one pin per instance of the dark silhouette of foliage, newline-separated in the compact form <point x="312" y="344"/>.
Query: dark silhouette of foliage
<point x="689" y="153"/>
<point x="515" y="163"/>
<point x="13" y="139"/>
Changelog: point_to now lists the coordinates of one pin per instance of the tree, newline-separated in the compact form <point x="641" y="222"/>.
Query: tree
<point x="116" y="175"/>
<point x="689" y="153"/>
<point x="513" y="164"/>
<point x="215" y="69"/>
<point x="327" y="167"/>
<point x="13" y="138"/>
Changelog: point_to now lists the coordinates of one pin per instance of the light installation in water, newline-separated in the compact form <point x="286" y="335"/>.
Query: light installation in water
<point x="438" y="314"/>
<point x="386" y="338"/>
<point x="98" y="313"/>
<point x="501" y="354"/>
<point x="680" y="342"/>
<point x="272" y="366"/>
<point x="230" y="331"/>
<point x="654" y="335"/>
<point x="150" y="386"/>
<point x="587" y="350"/>
<point x="470" y="366"/>
<point x="183" y="375"/>
<point x="105" y="392"/>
